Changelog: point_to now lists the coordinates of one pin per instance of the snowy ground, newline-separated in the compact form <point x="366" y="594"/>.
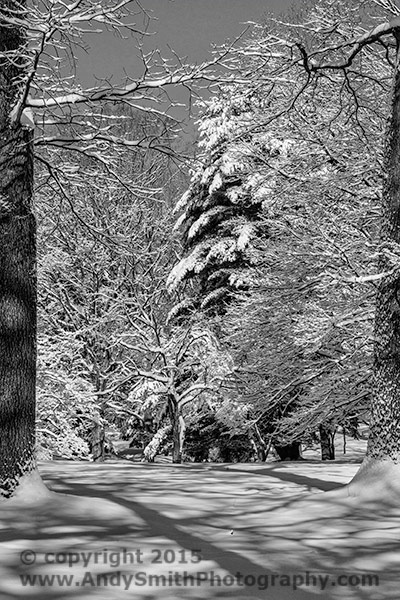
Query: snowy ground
<point x="272" y="531"/>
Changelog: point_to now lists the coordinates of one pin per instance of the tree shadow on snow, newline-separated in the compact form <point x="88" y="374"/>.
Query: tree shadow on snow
<point x="282" y="471"/>
<point x="253" y="522"/>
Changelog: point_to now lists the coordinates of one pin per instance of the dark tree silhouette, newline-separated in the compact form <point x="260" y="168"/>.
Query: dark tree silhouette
<point x="17" y="273"/>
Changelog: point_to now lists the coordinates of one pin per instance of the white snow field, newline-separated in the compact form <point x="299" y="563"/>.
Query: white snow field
<point x="199" y="531"/>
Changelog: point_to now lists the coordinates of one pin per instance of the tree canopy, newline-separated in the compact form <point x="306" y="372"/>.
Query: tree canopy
<point x="233" y="291"/>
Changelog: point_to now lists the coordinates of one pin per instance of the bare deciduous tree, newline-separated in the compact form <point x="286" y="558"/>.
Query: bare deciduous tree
<point x="41" y="106"/>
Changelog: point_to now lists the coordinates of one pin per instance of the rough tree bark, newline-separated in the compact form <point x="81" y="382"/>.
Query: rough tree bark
<point x="381" y="465"/>
<point x="17" y="280"/>
<point x="327" y="441"/>
<point x="178" y="430"/>
<point x="97" y="442"/>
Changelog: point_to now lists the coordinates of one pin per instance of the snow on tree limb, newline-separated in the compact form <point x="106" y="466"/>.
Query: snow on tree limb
<point x="357" y="44"/>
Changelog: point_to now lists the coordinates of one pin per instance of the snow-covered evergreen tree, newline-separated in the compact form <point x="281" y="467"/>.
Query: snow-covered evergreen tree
<point x="220" y="212"/>
<point x="295" y="163"/>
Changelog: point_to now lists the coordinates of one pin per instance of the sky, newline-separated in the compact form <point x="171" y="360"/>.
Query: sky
<point x="187" y="26"/>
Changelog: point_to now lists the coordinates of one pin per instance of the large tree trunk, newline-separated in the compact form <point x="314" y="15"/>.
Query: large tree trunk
<point x="260" y="446"/>
<point x="327" y="441"/>
<point x="17" y="281"/>
<point x="97" y="441"/>
<point x="381" y="468"/>
<point x="178" y="436"/>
